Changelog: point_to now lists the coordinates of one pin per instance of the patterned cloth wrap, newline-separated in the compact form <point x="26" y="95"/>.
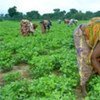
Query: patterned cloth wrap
<point x="83" y="50"/>
<point x="26" y="27"/>
<point x="84" y="45"/>
<point x="92" y="34"/>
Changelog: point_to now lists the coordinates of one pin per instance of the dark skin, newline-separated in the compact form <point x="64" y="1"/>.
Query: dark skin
<point x="96" y="58"/>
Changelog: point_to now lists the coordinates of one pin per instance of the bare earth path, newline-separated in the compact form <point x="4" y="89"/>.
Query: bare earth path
<point x="23" y="69"/>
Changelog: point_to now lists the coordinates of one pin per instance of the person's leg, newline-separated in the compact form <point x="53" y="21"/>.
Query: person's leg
<point x="85" y="72"/>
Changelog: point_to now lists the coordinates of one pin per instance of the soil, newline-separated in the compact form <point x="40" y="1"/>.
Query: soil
<point x="22" y="68"/>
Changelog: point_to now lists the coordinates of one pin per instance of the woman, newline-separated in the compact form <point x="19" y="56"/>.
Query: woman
<point x="87" y="43"/>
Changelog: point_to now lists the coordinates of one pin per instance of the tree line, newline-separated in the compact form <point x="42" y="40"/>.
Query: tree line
<point x="13" y="14"/>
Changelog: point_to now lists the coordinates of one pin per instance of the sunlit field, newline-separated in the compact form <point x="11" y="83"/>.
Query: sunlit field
<point x="41" y="66"/>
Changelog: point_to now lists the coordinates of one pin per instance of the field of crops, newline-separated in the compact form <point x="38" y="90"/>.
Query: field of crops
<point x="40" y="66"/>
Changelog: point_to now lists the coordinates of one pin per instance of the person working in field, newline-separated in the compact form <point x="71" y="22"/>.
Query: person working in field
<point x="45" y="25"/>
<point x="27" y="27"/>
<point x="87" y="43"/>
<point x="70" y="22"/>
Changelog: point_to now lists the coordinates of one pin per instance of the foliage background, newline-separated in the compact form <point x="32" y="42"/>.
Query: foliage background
<point x="13" y="14"/>
<point x="51" y="59"/>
